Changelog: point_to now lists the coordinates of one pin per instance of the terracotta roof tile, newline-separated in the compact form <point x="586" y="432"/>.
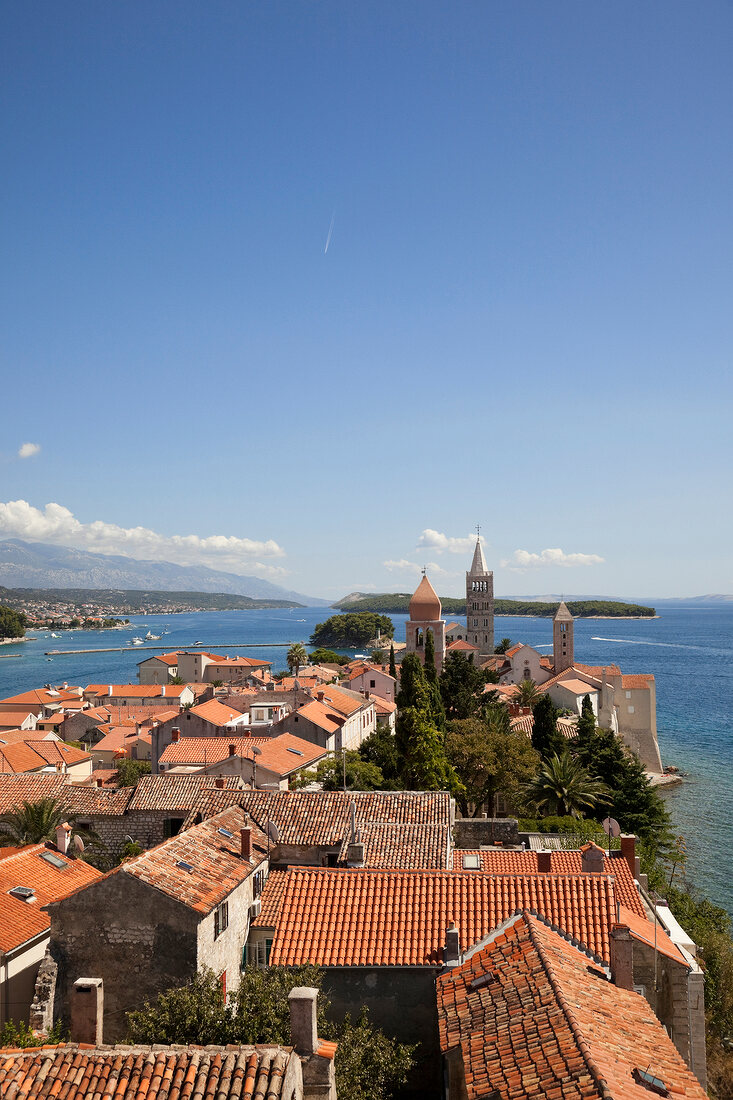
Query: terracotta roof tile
<point x="271" y="897"/>
<point x="399" y="918"/>
<point x="531" y="1021"/>
<point x="320" y="716"/>
<point x="502" y="861"/>
<point x="175" y="792"/>
<point x="80" y="1072"/>
<point x="217" y="713"/>
<point x="16" y="789"/>
<point x="406" y="847"/>
<point x="638" y="681"/>
<point x="207" y="750"/>
<point x="21" y="920"/>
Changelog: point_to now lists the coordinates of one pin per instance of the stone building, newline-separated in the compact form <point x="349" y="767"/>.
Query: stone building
<point x="480" y="605"/>
<point x="425" y="615"/>
<point x="161" y="917"/>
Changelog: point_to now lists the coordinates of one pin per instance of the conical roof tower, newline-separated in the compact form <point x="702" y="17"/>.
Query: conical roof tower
<point x="480" y="604"/>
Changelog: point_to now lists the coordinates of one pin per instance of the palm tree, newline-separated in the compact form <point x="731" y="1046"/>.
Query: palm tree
<point x="36" y="822"/>
<point x="528" y="694"/>
<point x="297" y="656"/>
<point x="503" y="646"/>
<point x="564" y="787"/>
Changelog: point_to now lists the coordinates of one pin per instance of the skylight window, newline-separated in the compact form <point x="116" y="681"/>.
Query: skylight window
<point x="654" y="1084"/>
<point x="472" y="862"/>
<point x="226" y="833"/>
<point x="22" y="893"/>
<point x="188" y="867"/>
<point x="298" y="752"/>
<point x="54" y="860"/>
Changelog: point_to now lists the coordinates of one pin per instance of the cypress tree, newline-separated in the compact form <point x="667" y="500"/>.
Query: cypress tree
<point x="392" y="664"/>
<point x="586" y="722"/>
<point x="545" y="737"/>
<point x="431" y="674"/>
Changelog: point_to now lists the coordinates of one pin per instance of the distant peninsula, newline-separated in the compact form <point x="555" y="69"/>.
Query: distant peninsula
<point x="45" y="602"/>
<point x="398" y="603"/>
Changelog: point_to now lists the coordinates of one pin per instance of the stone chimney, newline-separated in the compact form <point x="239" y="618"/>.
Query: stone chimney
<point x="544" y="862"/>
<point x="246" y="835"/>
<point x="452" y="949"/>
<point x="622" y="956"/>
<point x="219" y="783"/>
<point x="63" y="837"/>
<point x="175" y="734"/>
<point x="355" y="852"/>
<point x="87" y="1011"/>
<point x="316" y="1057"/>
<point x="232" y="750"/>
<point x="628" y="851"/>
<point x="320" y="695"/>
<point x="592" y="858"/>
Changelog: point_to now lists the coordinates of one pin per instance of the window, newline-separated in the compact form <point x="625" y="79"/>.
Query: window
<point x="472" y="861"/>
<point x="54" y="860"/>
<point x="372" y="683"/>
<point x="172" y="826"/>
<point x="630" y="710"/>
<point x="221" y="919"/>
<point x="628" y="694"/>
<point x="258" y="881"/>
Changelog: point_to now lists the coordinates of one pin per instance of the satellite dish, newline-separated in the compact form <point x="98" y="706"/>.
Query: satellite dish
<point x="273" y="832"/>
<point x="611" y="826"/>
<point x="256" y="750"/>
<point x="78" y="844"/>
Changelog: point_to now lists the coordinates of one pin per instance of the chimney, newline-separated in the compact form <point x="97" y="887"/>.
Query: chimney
<point x="628" y="851"/>
<point x="622" y="956"/>
<point x="232" y="750"/>
<point x="87" y="1011"/>
<point x="303" y="1026"/>
<point x="246" y="835"/>
<point x="100" y="783"/>
<point x="175" y="734"/>
<point x="219" y="783"/>
<point x="162" y="690"/>
<point x="355" y="853"/>
<point x="319" y="696"/>
<point x="109" y="689"/>
<point x="544" y="862"/>
<point x="138" y="727"/>
<point x="63" y="837"/>
<point x="591" y="859"/>
<point x="452" y="949"/>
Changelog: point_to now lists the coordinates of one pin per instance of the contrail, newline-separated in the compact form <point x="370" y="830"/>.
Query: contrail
<point x="330" y="232"/>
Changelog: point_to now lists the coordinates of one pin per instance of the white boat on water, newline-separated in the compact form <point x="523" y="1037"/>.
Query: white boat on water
<point x="150" y="637"/>
<point x="136" y="641"/>
<point x="55" y="635"/>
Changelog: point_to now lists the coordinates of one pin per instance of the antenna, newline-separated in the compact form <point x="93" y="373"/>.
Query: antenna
<point x="478" y="531"/>
<point x="611" y="827"/>
<point x="424" y="570"/>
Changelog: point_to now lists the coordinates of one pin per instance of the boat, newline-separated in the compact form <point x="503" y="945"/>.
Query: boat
<point x="136" y="641"/>
<point x="55" y="635"/>
<point x="150" y="637"/>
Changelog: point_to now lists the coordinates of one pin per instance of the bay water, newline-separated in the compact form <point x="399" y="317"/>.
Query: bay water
<point x="690" y="652"/>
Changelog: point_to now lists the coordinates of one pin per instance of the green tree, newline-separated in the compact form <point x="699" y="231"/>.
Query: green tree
<point x="546" y="739"/>
<point x="368" y="1064"/>
<point x="377" y="656"/>
<point x="12" y="623"/>
<point x="425" y="766"/>
<point x="323" y="656"/>
<point x="431" y="672"/>
<point x="361" y="775"/>
<point x="461" y="687"/>
<point x="36" y="822"/>
<point x="129" y="771"/>
<point x="527" y="694"/>
<point x="412" y="692"/>
<point x="489" y="758"/>
<point x="586" y="723"/>
<point x="355" y="628"/>
<point x="380" y="749"/>
<point x="297" y="656"/>
<point x="503" y="646"/>
<point x="392" y="663"/>
<point x="563" y="786"/>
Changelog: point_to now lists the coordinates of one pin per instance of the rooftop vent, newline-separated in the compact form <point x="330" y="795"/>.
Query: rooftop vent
<point x="188" y="867"/>
<point x="22" y="893"/>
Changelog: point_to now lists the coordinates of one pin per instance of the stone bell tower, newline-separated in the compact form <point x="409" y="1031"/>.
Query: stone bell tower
<point x="563" y="646"/>
<point x="480" y="604"/>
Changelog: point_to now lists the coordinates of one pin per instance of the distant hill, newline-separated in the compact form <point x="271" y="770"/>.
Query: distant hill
<point x="131" y="602"/>
<point x="398" y="603"/>
<point x="41" y="565"/>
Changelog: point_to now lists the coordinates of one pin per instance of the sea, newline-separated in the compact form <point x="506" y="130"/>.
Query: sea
<point x="690" y="652"/>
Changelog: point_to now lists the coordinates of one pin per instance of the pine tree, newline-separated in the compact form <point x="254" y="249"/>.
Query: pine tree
<point x="545" y="737"/>
<point x="586" y="722"/>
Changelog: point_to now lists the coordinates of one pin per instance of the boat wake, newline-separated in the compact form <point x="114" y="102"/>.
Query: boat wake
<point x="666" y="645"/>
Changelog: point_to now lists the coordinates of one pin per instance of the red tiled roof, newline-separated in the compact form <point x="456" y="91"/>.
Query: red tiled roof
<point x="532" y="1019"/>
<point x="121" y="738"/>
<point x="643" y="929"/>
<point x="638" y="681"/>
<point x="404" y="847"/>
<point x="345" y="702"/>
<point x="20" y="758"/>
<point x="271" y="897"/>
<point x="166" y="658"/>
<point x="43" y="697"/>
<point x="568" y="727"/>
<point x="106" y="776"/>
<point x="215" y="858"/>
<point x="399" y="918"/>
<point x="21" y="920"/>
<point x="138" y="691"/>
<point x="95" y="801"/>
<point x="208" y="750"/>
<point x="460" y="646"/>
<point x="176" y="792"/>
<point x="596" y="671"/>
<point x="16" y="789"/>
<point x="77" y="1072"/>
<point x="58" y="752"/>
<point x="14" y="718"/>
<point x="215" y="712"/>
<point x="321" y="717"/>
<point x="501" y="861"/>
<point x="569" y="674"/>
<point x="383" y="706"/>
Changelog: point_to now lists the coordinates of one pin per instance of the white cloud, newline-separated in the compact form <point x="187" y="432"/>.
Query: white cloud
<point x="57" y="524"/>
<point x="405" y="566"/>
<point x="27" y="450"/>
<point x="438" y="542"/>
<point x="522" y="560"/>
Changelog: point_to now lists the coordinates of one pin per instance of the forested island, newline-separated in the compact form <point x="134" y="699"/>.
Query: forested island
<point x="396" y="603"/>
<point x="352" y="629"/>
<point x="108" y="602"/>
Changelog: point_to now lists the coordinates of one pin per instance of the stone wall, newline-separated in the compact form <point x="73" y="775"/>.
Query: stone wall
<point x="41" y="1017"/>
<point x="485" y="832"/>
<point x="134" y="937"/>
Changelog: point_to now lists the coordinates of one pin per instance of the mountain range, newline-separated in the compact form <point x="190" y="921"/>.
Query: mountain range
<point x="41" y="565"/>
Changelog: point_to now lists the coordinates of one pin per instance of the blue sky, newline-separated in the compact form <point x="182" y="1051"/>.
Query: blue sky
<point x="523" y="318"/>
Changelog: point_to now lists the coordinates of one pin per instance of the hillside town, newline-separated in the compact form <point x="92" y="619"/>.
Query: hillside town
<point x="209" y="818"/>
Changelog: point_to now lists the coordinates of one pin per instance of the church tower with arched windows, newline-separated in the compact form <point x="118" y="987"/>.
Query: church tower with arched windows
<point x="425" y="615"/>
<point x="563" y="647"/>
<point x="480" y="605"/>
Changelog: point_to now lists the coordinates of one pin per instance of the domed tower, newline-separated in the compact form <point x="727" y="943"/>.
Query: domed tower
<point x="563" y="646"/>
<point x="425" y="614"/>
<point x="480" y="605"/>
